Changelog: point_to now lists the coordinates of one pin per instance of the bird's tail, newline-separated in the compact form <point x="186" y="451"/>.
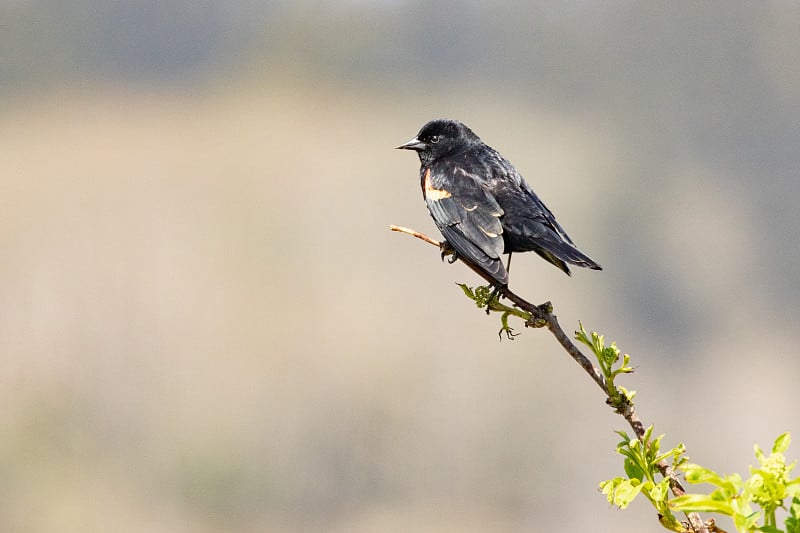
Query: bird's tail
<point x="562" y="253"/>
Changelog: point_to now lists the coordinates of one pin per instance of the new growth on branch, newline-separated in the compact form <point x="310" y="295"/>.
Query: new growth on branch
<point x="649" y="471"/>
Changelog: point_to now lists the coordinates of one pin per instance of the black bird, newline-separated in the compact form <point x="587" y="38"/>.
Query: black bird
<point x="482" y="205"/>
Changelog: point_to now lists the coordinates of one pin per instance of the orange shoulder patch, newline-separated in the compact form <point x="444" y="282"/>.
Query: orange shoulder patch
<point x="432" y="193"/>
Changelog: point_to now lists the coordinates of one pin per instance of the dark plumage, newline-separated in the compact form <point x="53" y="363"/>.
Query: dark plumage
<point x="482" y="205"/>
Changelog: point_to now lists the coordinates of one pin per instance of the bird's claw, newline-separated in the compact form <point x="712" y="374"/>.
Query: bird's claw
<point x="446" y="249"/>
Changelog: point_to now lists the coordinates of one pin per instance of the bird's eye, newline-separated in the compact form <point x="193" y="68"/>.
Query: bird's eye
<point x="435" y="139"/>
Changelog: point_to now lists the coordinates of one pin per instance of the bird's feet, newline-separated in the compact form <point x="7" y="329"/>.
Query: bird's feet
<point x="446" y="249"/>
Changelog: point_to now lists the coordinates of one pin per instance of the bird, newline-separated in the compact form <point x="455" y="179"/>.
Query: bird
<point x="482" y="206"/>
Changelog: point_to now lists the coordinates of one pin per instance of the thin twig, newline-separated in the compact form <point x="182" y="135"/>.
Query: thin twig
<point x="543" y="317"/>
<point x="416" y="234"/>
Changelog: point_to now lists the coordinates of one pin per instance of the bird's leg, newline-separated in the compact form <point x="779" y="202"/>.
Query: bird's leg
<point x="496" y="290"/>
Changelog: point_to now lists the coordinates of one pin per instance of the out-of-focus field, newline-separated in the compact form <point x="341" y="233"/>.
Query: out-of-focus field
<point x="207" y="326"/>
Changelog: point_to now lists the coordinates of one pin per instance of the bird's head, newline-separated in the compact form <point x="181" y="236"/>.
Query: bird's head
<point x="439" y="138"/>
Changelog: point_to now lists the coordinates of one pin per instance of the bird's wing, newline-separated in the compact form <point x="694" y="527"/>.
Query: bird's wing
<point x="544" y="215"/>
<point x="530" y="225"/>
<point x="468" y="217"/>
<point x="509" y="187"/>
<point x="530" y="215"/>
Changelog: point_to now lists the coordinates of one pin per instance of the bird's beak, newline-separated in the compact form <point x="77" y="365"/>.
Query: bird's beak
<point x="413" y="144"/>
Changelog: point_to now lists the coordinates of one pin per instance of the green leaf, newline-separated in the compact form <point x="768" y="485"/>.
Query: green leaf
<point x="746" y="522"/>
<point x="631" y="466"/>
<point x="620" y="491"/>
<point x="700" y="503"/>
<point x="611" y="354"/>
<point x="782" y="443"/>
<point x="660" y="491"/>
<point x="759" y="454"/>
<point x="623" y="435"/>
<point x="670" y="522"/>
<point x="580" y="335"/>
<point x="664" y="456"/>
<point x="483" y="295"/>
<point x="628" y="394"/>
<point x="655" y="445"/>
<point x="648" y="433"/>
<point x="598" y="343"/>
<point x="793" y="520"/>
<point x="696" y="474"/>
<point x="467" y="290"/>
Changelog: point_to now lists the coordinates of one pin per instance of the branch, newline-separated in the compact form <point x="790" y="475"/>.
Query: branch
<point x="542" y="316"/>
<point x="416" y="234"/>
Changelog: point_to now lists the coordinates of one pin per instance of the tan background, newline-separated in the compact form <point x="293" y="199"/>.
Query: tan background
<point x="206" y="326"/>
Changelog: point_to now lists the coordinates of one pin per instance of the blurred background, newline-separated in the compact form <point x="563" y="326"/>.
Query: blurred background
<point x="207" y="326"/>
